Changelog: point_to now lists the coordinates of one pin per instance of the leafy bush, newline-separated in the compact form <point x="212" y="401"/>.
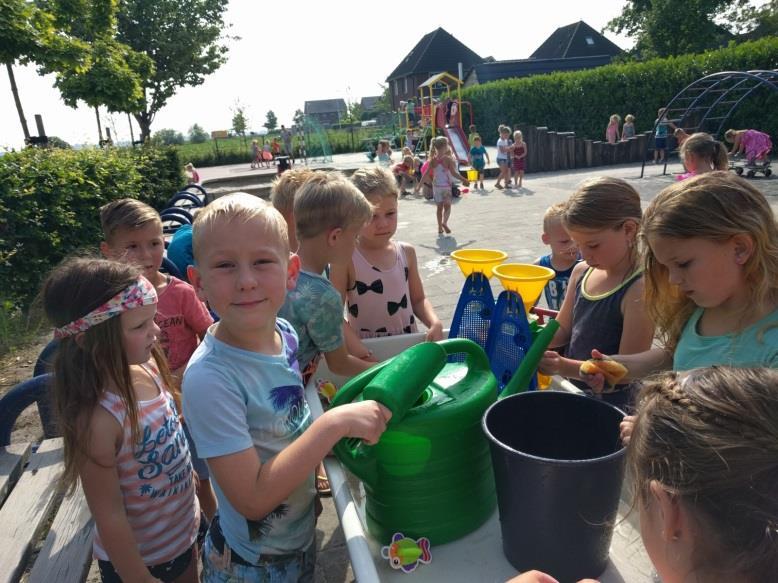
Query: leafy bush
<point x="197" y="135"/>
<point x="582" y="101"/>
<point x="50" y="200"/>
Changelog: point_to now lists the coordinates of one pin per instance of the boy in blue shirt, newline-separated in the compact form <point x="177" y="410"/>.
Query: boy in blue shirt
<point x="243" y="400"/>
<point x="562" y="259"/>
<point x="477" y="154"/>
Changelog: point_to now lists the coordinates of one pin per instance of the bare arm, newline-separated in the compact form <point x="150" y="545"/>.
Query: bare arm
<point x="638" y="329"/>
<point x="100" y="481"/>
<point x="342" y="278"/>
<point x="422" y="307"/>
<point x="255" y="489"/>
<point x="342" y="363"/>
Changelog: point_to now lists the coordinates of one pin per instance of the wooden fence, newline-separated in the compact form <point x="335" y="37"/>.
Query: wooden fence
<point x="564" y="151"/>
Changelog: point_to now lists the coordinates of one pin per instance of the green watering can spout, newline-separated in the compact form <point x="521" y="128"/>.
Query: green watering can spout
<point x="523" y="375"/>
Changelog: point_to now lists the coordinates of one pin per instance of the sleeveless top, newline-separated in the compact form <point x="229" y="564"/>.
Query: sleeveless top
<point x="440" y="176"/>
<point x="379" y="304"/>
<point x="155" y="478"/>
<point x="597" y="322"/>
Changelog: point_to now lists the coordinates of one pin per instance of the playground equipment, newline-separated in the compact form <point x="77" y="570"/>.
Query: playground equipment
<point x="317" y="144"/>
<point x="709" y="102"/>
<point x="432" y="112"/>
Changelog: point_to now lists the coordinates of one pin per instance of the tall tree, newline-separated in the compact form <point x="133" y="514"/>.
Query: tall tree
<point x="112" y="73"/>
<point x="183" y="38"/>
<point x="28" y="34"/>
<point x="271" y="121"/>
<point x="197" y="135"/>
<point x="239" y="121"/>
<point x="663" y="28"/>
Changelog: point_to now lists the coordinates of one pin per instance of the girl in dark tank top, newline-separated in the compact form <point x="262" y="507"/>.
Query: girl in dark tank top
<point x="605" y="310"/>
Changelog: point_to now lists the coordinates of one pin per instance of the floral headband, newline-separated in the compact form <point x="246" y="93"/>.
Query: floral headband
<point x="140" y="293"/>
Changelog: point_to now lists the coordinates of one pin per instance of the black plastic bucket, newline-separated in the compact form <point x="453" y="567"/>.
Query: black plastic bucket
<point x="558" y="466"/>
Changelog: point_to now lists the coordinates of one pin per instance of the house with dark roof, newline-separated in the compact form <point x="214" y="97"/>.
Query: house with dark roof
<point x="436" y="52"/>
<point x="570" y="48"/>
<point x="368" y="103"/>
<point x="327" y="112"/>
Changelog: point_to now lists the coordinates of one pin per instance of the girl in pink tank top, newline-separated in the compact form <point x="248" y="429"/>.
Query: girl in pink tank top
<point x="123" y="437"/>
<point x="382" y="285"/>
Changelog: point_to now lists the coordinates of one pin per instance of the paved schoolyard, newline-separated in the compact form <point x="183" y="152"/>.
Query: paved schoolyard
<point x="496" y="219"/>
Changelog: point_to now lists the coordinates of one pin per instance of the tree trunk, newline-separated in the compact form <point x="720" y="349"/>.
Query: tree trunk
<point x="19" y="109"/>
<point x="99" y="127"/>
<point x="132" y="135"/>
<point x="144" y="122"/>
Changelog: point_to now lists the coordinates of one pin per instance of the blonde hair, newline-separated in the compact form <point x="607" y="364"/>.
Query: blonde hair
<point x="553" y="214"/>
<point x="439" y="142"/>
<point x="239" y="206"/>
<point x="284" y="188"/>
<point x="707" y="149"/>
<point x="518" y="136"/>
<point x="91" y="361"/>
<point x="729" y="135"/>
<point x="329" y="201"/>
<point x="189" y="166"/>
<point x="714" y="206"/>
<point x="375" y="181"/>
<point x="710" y="438"/>
<point x="615" y="118"/>
<point x="629" y="118"/>
<point x="126" y="213"/>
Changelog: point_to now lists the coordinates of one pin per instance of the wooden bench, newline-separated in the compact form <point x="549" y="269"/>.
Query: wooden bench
<point x="32" y="506"/>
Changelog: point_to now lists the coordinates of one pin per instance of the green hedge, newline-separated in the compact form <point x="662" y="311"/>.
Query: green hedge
<point x="49" y="201"/>
<point x="582" y="101"/>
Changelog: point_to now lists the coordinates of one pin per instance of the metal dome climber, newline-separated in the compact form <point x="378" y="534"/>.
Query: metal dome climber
<point x="706" y="104"/>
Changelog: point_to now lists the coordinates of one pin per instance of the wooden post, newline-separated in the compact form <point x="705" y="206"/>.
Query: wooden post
<point x="542" y="148"/>
<point x="570" y="147"/>
<point x="588" y="153"/>
<point x="553" y="151"/>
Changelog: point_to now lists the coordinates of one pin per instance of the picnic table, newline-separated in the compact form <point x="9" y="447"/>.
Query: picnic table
<point x="34" y="507"/>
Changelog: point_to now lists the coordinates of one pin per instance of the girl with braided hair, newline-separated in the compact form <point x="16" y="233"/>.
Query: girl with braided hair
<point x="704" y="460"/>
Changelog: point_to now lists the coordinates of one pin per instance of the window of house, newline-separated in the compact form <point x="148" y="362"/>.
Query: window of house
<point x="396" y="87"/>
<point x="589" y="41"/>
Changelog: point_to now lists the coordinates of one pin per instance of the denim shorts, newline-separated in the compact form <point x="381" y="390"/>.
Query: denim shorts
<point x="226" y="566"/>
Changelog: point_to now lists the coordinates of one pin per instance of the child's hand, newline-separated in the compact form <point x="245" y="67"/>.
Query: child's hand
<point x="626" y="427"/>
<point x="551" y="363"/>
<point x="435" y="332"/>
<point x="595" y="381"/>
<point x="533" y="577"/>
<point x="365" y="420"/>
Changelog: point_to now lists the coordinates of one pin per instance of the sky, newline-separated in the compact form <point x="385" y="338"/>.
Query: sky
<point x="318" y="50"/>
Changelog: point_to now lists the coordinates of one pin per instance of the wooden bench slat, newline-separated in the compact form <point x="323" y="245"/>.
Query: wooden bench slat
<point x="67" y="551"/>
<point x="28" y="507"/>
<point x="12" y="458"/>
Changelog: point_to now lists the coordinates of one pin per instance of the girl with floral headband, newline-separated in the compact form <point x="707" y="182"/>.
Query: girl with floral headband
<point x="118" y="415"/>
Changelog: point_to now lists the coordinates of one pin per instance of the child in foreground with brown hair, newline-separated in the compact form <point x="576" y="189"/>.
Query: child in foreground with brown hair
<point x="381" y="283"/>
<point x="133" y="232"/>
<point x="604" y="301"/>
<point x="116" y="404"/>
<point x="704" y="463"/>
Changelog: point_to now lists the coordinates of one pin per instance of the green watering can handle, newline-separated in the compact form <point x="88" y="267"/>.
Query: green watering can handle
<point x="397" y="384"/>
<point x="522" y="377"/>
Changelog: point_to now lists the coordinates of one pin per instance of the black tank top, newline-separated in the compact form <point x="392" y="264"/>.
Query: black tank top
<point x="597" y="322"/>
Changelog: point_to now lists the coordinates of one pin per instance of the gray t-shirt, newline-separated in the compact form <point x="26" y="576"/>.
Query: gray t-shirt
<point x="235" y="399"/>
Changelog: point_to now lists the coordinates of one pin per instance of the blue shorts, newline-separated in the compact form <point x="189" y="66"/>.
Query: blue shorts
<point x="660" y="143"/>
<point x="503" y="162"/>
<point x="198" y="464"/>
<point x="479" y="165"/>
<point x="224" y="566"/>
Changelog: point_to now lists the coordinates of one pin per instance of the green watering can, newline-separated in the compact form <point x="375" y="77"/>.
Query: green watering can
<point x="430" y="474"/>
